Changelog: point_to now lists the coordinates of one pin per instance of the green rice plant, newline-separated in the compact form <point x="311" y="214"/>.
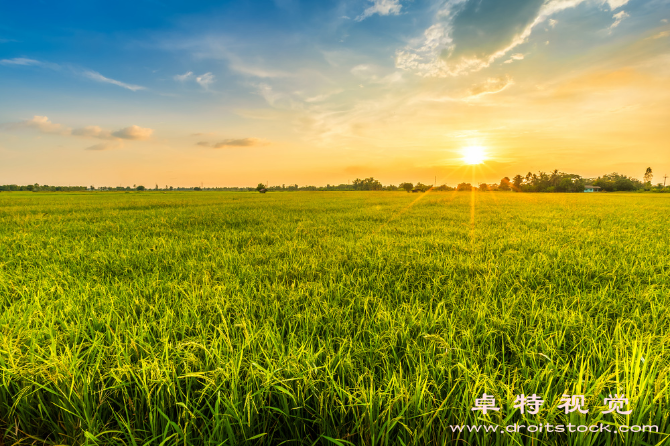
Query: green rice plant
<point x="365" y="318"/>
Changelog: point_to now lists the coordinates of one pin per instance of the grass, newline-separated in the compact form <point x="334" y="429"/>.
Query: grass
<point x="329" y="318"/>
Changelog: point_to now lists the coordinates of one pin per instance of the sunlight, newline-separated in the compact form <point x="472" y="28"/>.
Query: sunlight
<point x="473" y="155"/>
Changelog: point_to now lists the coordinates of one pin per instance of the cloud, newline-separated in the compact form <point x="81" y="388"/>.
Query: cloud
<point x="614" y="4"/>
<point x="25" y="62"/>
<point x="381" y="7"/>
<point x="618" y="17"/>
<point x="43" y="125"/>
<point x="100" y="78"/>
<point x="20" y="61"/>
<point x="40" y="123"/>
<point x="374" y="74"/>
<point x="134" y="132"/>
<point x="244" y="142"/>
<point x="183" y="77"/>
<point x="552" y="22"/>
<point x="93" y="131"/>
<point x="277" y="99"/>
<point x="106" y="146"/>
<point x="205" y="80"/>
<point x="468" y="36"/>
<point x="513" y="57"/>
<point x="94" y="75"/>
<point x="323" y="97"/>
<point x="491" y="85"/>
<point x="661" y="34"/>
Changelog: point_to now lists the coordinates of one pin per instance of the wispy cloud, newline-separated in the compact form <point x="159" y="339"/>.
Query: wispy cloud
<point x="243" y="142"/>
<point x="205" y="80"/>
<point x="618" y="17"/>
<point x="90" y="74"/>
<point x="100" y="78"/>
<point x="20" y="61"/>
<point x="184" y="77"/>
<point x="462" y="39"/>
<point x="513" y="57"/>
<point x="381" y="7"/>
<point x="490" y="86"/>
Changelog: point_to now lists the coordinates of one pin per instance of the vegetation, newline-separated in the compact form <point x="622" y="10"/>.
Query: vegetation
<point x="330" y="318"/>
<point x="541" y="182"/>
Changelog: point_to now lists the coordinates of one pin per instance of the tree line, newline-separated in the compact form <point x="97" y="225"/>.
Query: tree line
<point x="554" y="181"/>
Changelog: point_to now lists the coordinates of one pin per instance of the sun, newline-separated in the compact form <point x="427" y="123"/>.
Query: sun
<point x="474" y="155"/>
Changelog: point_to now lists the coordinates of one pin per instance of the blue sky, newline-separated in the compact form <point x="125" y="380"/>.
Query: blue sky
<point x="232" y="93"/>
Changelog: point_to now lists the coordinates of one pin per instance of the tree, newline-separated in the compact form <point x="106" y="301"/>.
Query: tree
<point x="141" y="188"/>
<point x="464" y="187"/>
<point x="367" y="184"/>
<point x="517" y="182"/>
<point x="407" y="186"/>
<point x="483" y="187"/>
<point x="504" y="184"/>
<point x="260" y="186"/>
<point x="422" y="187"/>
<point x="648" y="175"/>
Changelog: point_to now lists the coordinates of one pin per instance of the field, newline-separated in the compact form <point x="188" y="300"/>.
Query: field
<point x="365" y="318"/>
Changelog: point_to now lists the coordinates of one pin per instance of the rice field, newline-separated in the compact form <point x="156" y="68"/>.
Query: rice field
<point x="363" y="318"/>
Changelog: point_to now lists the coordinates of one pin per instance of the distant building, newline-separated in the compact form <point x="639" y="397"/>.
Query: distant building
<point x="591" y="188"/>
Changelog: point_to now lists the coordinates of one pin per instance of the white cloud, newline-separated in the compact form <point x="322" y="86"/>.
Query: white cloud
<point x="100" y="78"/>
<point x="20" y="61"/>
<point x="552" y="22"/>
<point x="614" y="4"/>
<point x="134" y="132"/>
<point x="618" y="17"/>
<point x="276" y="99"/>
<point x="205" y="80"/>
<point x="381" y="7"/>
<point x="426" y="57"/>
<point x="323" y="97"/>
<point x="94" y="75"/>
<point x="513" y="57"/>
<point x="183" y="77"/>
<point x="375" y="75"/>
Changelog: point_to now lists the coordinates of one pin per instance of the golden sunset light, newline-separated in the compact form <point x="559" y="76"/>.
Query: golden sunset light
<point x="360" y="222"/>
<point x="474" y="155"/>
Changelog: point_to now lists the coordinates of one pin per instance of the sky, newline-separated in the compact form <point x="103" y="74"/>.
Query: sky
<point x="233" y="93"/>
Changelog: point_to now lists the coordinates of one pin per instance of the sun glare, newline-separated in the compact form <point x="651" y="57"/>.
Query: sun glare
<point x="473" y="155"/>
